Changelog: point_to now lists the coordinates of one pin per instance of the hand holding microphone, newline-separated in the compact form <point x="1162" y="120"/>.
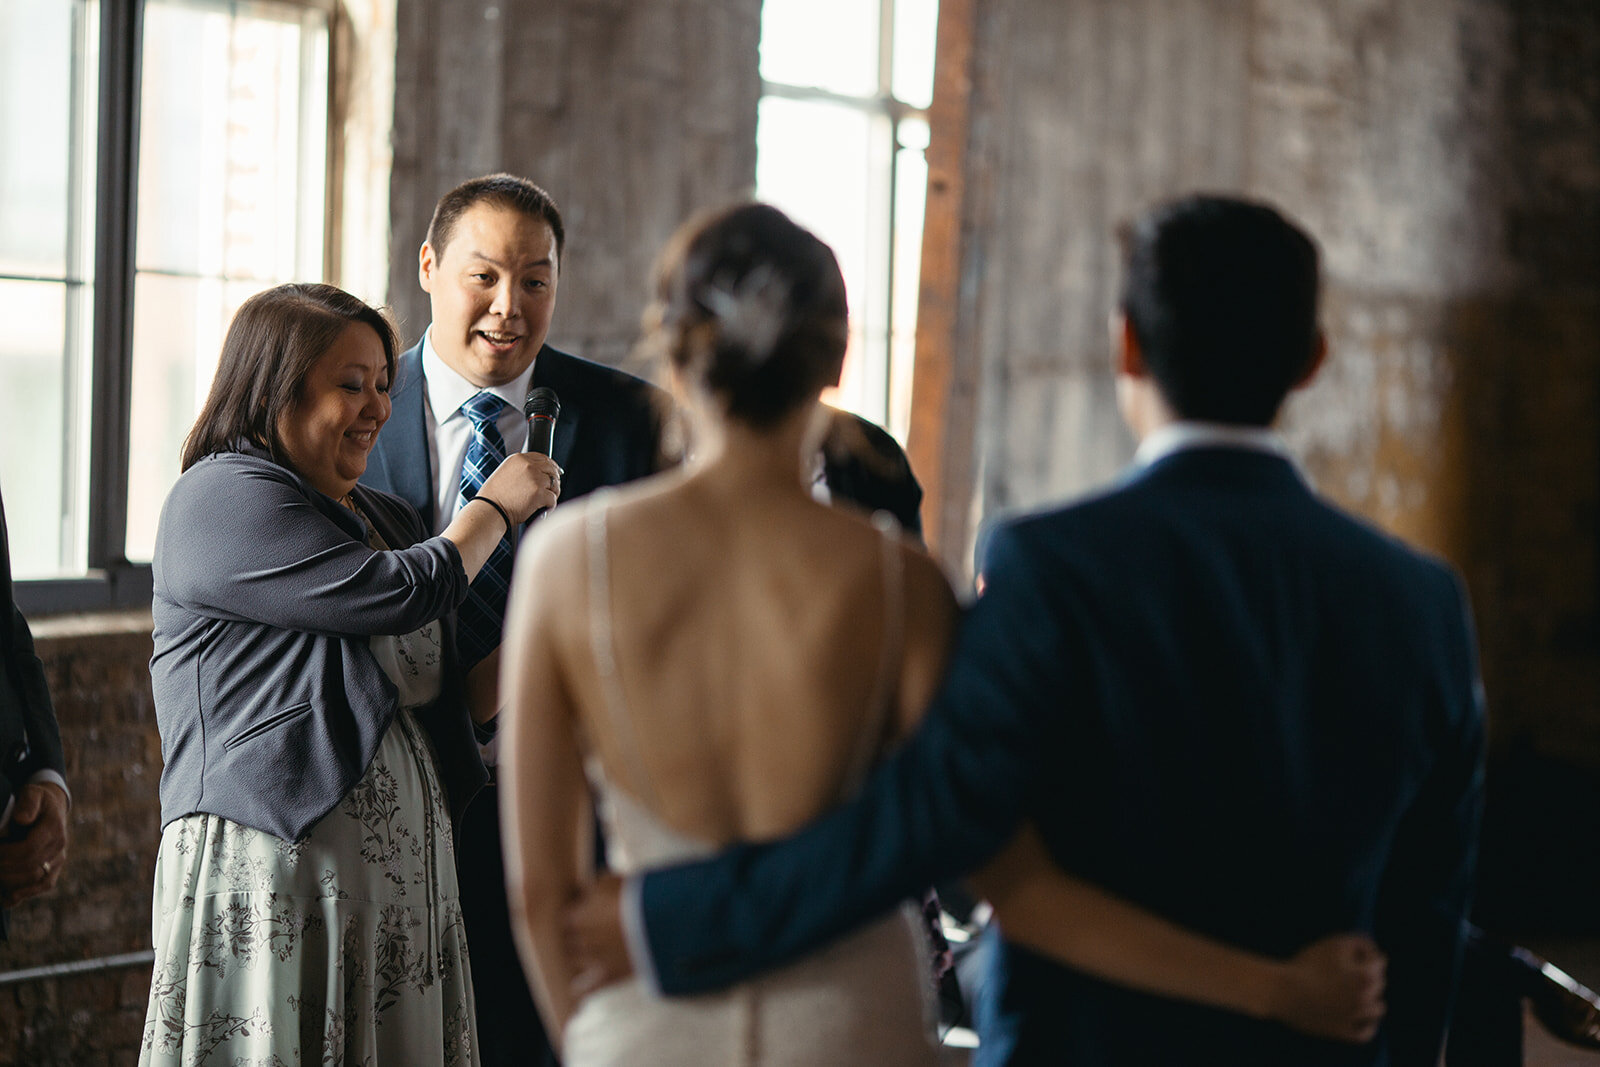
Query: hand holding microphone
<point x="528" y="483"/>
<point x="542" y="408"/>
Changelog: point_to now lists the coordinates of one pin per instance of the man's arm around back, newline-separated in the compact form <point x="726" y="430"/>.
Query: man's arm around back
<point x="942" y="805"/>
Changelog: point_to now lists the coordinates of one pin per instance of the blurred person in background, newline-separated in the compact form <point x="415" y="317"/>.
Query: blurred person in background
<point x="33" y="787"/>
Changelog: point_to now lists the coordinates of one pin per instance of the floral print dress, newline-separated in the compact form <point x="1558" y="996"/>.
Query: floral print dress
<point x="346" y="947"/>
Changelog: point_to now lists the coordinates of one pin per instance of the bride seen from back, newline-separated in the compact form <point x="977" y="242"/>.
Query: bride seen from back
<point x="722" y="657"/>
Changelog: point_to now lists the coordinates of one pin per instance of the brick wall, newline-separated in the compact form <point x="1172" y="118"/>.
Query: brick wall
<point x="99" y="676"/>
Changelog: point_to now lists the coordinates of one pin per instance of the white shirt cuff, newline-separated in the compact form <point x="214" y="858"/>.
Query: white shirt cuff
<point x="39" y="778"/>
<point x="633" y="933"/>
<point x="48" y="777"/>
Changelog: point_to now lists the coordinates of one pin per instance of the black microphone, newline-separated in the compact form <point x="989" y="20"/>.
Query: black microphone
<point x="541" y="409"/>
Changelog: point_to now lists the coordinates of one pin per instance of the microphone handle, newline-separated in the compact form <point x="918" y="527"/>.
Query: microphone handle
<point x="541" y="432"/>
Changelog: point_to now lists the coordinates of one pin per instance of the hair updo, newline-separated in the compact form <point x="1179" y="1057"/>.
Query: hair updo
<point x="752" y="307"/>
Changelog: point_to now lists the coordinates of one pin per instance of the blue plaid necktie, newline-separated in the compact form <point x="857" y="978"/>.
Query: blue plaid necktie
<point x="481" y="615"/>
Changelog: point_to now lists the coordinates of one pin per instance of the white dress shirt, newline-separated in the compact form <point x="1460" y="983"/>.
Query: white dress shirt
<point x="449" y="431"/>
<point x="1181" y="436"/>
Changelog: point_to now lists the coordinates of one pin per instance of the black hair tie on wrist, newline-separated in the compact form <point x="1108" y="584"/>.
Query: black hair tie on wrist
<point x="493" y="504"/>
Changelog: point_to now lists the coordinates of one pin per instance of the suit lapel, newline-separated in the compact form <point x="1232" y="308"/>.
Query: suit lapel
<point x="548" y="370"/>
<point x="405" y="458"/>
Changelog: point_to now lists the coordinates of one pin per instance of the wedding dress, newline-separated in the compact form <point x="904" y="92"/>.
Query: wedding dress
<point x="865" y="998"/>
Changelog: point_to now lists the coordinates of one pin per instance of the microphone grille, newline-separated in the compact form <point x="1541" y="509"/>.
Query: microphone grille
<point x="541" y="400"/>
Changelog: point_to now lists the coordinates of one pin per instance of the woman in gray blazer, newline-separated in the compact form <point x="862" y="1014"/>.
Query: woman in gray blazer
<point x="316" y="741"/>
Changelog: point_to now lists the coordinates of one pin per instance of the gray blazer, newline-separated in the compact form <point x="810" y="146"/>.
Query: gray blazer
<point x="269" y="701"/>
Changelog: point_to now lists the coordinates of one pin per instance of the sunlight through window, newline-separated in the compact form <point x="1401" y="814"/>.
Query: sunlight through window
<point x="840" y="139"/>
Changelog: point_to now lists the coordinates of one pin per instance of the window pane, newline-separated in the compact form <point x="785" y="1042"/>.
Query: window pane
<point x="233" y="118"/>
<point x="177" y="334"/>
<point x="910" y="198"/>
<point x="225" y="167"/>
<point x="916" y="31"/>
<point x="46" y="63"/>
<point x="827" y="44"/>
<point x="43" y="426"/>
<point x="842" y="195"/>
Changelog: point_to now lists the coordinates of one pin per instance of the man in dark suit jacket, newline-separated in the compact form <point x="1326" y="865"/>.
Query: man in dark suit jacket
<point x="33" y="789"/>
<point x="490" y="265"/>
<point x="861" y="465"/>
<point x="1211" y="691"/>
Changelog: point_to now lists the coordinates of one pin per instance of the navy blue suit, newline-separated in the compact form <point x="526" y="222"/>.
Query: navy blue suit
<point x="30" y="739"/>
<point x="1215" y="695"/>
<point x="609" y="432"/>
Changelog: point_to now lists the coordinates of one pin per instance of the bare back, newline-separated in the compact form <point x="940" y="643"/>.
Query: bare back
<point x="763" y="648"/>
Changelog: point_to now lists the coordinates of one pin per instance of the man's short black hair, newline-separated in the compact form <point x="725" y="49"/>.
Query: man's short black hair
<point x="1222" y="295"/>
<point x="501" y="190"/>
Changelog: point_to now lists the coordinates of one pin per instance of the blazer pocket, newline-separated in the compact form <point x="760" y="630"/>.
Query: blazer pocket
<point x="271" y="722"/>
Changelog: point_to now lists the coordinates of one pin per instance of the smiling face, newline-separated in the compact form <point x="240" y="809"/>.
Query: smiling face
<point x="493" y="290"/>
<point x="343" y="403"/>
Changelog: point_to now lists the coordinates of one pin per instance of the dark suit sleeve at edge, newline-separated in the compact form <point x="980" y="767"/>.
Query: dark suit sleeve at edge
<point x="940" y="806"/>
<point x="24" y="681"/>
<point x="1426" y="892"/>
<point x="39" y="719"/>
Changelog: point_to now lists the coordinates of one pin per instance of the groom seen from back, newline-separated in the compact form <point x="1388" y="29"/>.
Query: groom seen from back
<point x="1211" y="691"/>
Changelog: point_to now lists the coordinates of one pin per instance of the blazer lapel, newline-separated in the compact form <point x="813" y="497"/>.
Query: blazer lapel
<point x="405" y="458"/>
<point x="547" y="370"/>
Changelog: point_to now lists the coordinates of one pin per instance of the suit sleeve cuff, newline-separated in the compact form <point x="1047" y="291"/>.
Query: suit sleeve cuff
<point x="635" y="935"/>
<point x="49" y="777"/>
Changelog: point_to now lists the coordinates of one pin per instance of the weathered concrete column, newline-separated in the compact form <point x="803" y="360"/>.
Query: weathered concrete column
<point x="632" y="115"/>
<point x="1445" y="153"/>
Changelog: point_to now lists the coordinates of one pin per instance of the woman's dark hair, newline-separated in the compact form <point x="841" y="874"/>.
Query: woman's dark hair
<point x="275" y="338"/>
<point x="752" y="306"/>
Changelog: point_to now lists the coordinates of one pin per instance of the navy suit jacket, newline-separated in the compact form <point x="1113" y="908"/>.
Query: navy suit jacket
<point x="1215" y="695"/>
<point x="609" y="431"/>
<point x="863" y="465"/>
<point x="30" y="740"/>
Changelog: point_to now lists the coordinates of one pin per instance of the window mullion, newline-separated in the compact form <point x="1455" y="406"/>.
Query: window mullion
<point x="886" y="49"/>
<point x="121" y="49"/>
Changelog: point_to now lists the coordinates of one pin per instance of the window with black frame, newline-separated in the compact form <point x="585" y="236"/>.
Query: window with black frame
<point x="840" y="139"/>
<point x="160" y="161"/>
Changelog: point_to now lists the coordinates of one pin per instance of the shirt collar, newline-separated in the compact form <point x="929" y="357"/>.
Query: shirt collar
<point x="447" y="390"/>
<point x="1182" y="436"/>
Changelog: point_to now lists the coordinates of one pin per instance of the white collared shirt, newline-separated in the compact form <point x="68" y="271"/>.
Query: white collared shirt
<point x="1181" y="436"/>
<point x="448" y="437"/>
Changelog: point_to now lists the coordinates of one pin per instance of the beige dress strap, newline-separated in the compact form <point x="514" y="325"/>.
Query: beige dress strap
<point x="602" y="642"/>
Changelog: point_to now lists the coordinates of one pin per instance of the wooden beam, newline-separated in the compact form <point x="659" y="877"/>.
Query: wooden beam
<point x="941" y="435"/>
